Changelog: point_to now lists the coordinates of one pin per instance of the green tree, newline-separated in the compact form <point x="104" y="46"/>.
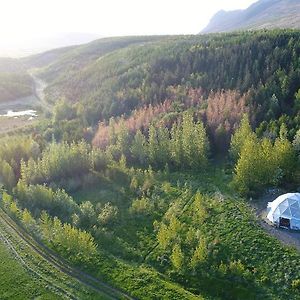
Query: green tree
<point x="74" y="244"/>
<point x="153" y="145"/>
<point x="296" y="142"/>
<point x="63" y="111"/>
<point x="7" y="175"/>
<point x="139" y="148"/>
<point x="123" y="139"/>
<point x="188" y="140"/>
<point x="201" y="145"/>
<point x="163" y="155"/>
<point x="263" y="164"/>
<point x="176" y="144"/>
<point x="177" y="257"/>
<point x="297" y="101"/>
<point x="108" y="214"/>
<point x="87" y="215"/>
<point x="286" y="158"/>
<point x="249" y="166"/>
<point x="28" y="220"/>
<point x="239" y="138"/>
<point x="200" y="254"/>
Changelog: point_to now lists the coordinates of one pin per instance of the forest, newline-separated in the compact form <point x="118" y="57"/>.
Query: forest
<point x="147" y="172"/>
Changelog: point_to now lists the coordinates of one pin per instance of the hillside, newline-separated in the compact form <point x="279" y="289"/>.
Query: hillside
<point x="64" y="60"/>
<point x="264" y="14"/>
<point x="111" y="77"/>
<point x="14" y="80"/>
<point x="148" y="170"/>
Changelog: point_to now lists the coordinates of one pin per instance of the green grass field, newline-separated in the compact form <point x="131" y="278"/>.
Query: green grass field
<point x="17" y="282"/>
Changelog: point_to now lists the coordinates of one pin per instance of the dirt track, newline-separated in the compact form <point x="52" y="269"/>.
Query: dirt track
<point x="287" y="237"/>
<point x="97" y="285"/>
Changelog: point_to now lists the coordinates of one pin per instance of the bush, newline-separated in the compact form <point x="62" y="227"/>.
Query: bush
<point x="296" y="284"/>
<point x="37" y="198"/>
<point x="76" y="245"/>
<point x="108" y="214"/>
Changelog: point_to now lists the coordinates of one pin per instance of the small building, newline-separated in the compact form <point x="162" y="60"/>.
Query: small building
<point x="285" y="211"/>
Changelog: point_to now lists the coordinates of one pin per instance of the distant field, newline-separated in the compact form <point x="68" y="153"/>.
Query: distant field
<point x="11" y="124"/>
<point x="24" y="103"/>
<point x="19" y="104"/>
<point x="15" y="82"/>
<point x="16" y="282"/>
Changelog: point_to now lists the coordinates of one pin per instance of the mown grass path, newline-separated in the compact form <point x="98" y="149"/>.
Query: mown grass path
<point x="43" y="263"/>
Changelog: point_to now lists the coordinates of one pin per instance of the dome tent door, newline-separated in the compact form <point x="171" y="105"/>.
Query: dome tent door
<point x="286" y="223"/>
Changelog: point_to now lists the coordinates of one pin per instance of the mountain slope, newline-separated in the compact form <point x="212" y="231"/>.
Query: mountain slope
<point x="14" y="80"/>
<point x="264" y="14"/>
<point x="113" y="77"/>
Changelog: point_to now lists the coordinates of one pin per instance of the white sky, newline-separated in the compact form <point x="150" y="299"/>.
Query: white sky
<point x="22" y="20"/>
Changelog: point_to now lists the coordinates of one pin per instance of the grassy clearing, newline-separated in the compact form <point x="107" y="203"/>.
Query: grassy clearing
<point x="230" y="226"/>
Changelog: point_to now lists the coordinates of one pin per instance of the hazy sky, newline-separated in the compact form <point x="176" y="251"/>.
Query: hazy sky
<point x="26" y="19"/>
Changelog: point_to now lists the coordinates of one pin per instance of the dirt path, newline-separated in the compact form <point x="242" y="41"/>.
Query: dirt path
<point x="39" y="87"/>
<point x="11" y="247"/>
<point x="102" y="288"/>
<point x="287" y="237"/>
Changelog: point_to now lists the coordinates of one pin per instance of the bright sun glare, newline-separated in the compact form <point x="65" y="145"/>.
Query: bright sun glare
<point x="24" y="20"/>
<point x="33" y="26"/>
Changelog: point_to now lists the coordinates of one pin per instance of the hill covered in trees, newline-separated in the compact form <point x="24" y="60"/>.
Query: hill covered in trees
<point x="14" y="81"/>
<point x="264" y="14"/>
<point x="145" y="172"/>
<point x="254" y="73"/>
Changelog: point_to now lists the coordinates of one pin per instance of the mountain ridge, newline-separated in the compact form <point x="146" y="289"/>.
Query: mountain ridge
<point x="264" y="14"/>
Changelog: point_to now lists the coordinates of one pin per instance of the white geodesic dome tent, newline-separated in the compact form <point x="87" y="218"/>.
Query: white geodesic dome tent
<point x="285" y="211"/>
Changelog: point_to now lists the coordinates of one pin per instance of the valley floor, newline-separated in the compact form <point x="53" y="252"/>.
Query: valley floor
<point x="35" y="102"/>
